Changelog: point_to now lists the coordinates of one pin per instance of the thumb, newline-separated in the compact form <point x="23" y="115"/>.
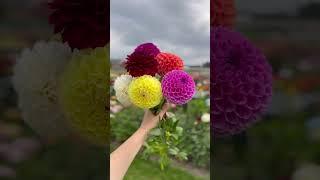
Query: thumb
<point x="165" y="108"/>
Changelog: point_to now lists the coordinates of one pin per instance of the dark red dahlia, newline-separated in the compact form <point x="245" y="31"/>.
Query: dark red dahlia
<point x="142" y="61"/>
<point x="148" y="48"/>
<point x="222" y="13"/>
<point x="168" y="62"/>
<point x="82" y="23"/>
<point x="241" y="82"/>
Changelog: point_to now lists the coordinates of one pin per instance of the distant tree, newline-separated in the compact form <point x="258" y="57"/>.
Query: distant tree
<point x="207" y="64"/>
<point x="310" y="10"/>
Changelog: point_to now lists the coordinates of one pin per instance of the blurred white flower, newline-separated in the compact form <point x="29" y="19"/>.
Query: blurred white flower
<point x="307" y="172"/>
<point x="205" y="117"/>
<point x="208" y="102"/>
<point x="35" y="81"/>
<point x="121" y="85"/>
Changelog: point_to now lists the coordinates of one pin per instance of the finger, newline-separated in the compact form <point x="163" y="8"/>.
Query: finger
<point x="165" y="108"/>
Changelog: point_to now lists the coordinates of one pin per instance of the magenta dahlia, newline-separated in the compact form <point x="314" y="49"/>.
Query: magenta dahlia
<point x="241" y="82"/>
<point x="82" y="23"/>
<point x="178" y="87"/>
<point x="142" y="61"/>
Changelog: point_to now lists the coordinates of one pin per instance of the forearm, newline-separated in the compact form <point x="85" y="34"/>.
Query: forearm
<point x="123" y="156"/>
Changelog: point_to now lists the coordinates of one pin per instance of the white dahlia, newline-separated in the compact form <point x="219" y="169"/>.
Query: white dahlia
<point x="121" y="86"/>
<point x="35" y="81"/>
<point x="205" y="118"/>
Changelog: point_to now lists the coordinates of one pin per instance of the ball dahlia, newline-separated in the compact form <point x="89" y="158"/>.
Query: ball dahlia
<point x="168" y="62"/>
<point x="142" y="61"/>
<point x="35" y="80"/>
<point x="222" y="13"/>
<point x="121" y="85"/>
<point x="82" y="23"/>
<point x="241" y="82"/>
<point x="84" y="92"/>
<point x="148" y="48"/>
<point x="145" y="92"/>
<point x="178" y="87"/>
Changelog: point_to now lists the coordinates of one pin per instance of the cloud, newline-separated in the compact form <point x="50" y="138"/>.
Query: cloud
<point x="177" y="26"/>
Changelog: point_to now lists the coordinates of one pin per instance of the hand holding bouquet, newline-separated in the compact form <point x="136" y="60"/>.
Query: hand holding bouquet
<point x="155" y="78"/>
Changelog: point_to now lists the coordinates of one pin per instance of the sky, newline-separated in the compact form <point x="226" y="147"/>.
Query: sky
<point x="177" y="26"/>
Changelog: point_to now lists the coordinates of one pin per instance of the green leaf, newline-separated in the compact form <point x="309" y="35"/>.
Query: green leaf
<point x="155" y="132"/>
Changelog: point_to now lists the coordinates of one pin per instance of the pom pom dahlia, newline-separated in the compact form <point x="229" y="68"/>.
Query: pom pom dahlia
<point x="222" y="13"/>
<point x="178" y="87"/>
<point x="148" y="48"/>
<point x="35" y="80"/>
<point x="145" y="92"/>
<point x="121" y="85"/>
<point x="168" y="62"/>
<point x="241" y="82"/>
<point x="84" y="91"/>
<point x="82" y="23"/>
<point x="142" y="61"/>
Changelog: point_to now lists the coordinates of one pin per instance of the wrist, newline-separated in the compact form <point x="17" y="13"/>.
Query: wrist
<point x="143" y="130"/>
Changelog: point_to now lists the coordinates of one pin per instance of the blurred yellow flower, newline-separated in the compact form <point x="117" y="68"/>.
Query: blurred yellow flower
<point x="84" y="93"/>
<point x="145" y="92"/>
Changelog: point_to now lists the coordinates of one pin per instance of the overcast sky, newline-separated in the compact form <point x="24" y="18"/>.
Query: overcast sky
<point x="177" y="26"/>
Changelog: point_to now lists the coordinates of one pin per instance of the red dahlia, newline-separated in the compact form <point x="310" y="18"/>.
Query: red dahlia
<point x="168" y="62"/>
<point x="222" y="13"/>
<point x="139" y="64"/>
<point x="82" y="23"/>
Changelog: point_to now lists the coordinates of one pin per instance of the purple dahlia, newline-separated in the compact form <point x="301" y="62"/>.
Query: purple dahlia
<point x="241" y="82"/>
<point x="178" y="87"/>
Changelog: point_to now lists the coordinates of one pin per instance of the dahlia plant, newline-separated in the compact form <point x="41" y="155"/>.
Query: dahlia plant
<point x="153" y="79"/>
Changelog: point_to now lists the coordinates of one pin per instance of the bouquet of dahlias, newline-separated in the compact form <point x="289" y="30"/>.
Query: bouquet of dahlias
<point x="153" y="79"/>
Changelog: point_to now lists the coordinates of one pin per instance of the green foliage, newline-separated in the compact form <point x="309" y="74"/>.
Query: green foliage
<point x="66" y="161"/>
<point x="145" y="170"/>
<point x="197" y="141"/>
<point x="125" y="123"/>
<point x="164" y="140"/>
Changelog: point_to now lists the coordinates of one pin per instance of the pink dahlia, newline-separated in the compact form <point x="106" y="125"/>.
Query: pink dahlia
<point x="82" y="23"/>
<point x="178" y="87"/>
<point x="168" y="62"/>
<point x="241" y="82"/>
<point x="142" y="61"/>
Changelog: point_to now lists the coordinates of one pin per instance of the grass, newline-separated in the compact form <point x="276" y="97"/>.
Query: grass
<point x="145" y="170"/>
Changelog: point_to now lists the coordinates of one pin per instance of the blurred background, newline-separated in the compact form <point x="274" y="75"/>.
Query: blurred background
<point x="168" y="25"/>
<point x="23" y="155"/>
<point x="285" y="144"/>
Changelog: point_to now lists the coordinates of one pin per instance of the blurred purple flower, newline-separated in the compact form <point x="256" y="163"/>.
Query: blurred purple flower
<point x="241" y="82"/>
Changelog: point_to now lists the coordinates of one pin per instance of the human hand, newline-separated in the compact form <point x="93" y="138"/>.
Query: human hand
<point x="150" y="120"/>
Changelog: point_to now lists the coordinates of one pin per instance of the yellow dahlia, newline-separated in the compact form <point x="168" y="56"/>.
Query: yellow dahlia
<point x="145" y="92"/>
<point x="84" y="91"/>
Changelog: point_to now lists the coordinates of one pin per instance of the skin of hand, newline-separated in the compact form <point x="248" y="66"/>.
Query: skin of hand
<point x="122" y="157"/>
